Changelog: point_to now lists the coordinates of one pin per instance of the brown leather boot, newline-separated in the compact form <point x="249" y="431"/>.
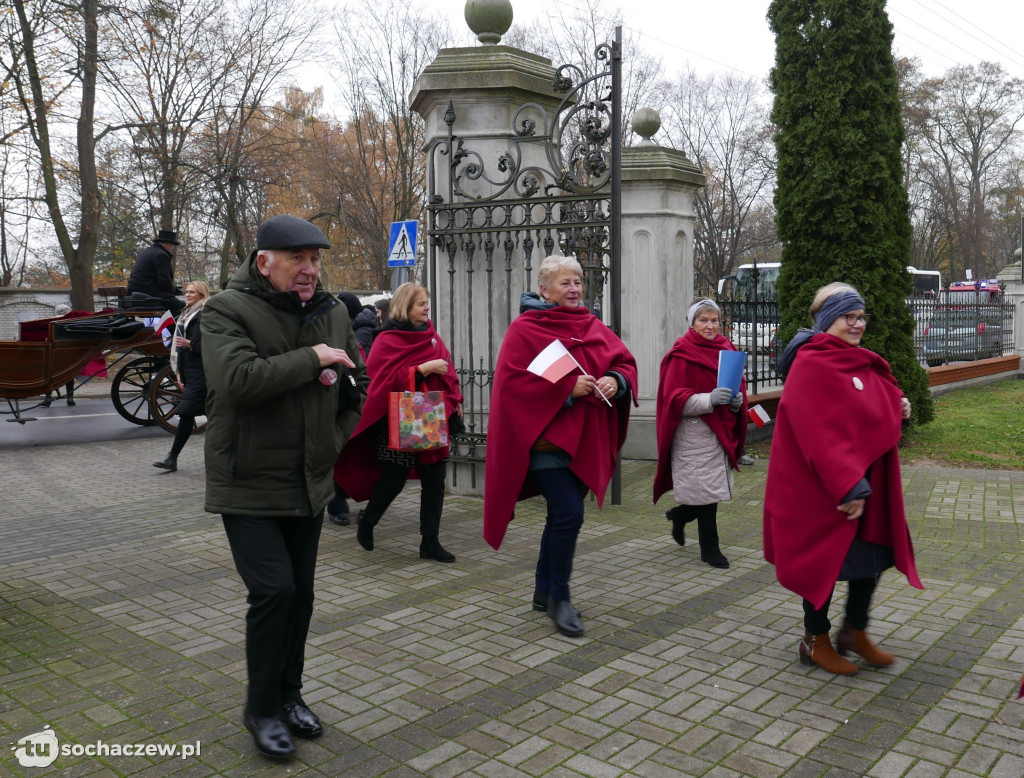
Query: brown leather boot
<point x="818" y="650"/>
<point x="857" y="640"/>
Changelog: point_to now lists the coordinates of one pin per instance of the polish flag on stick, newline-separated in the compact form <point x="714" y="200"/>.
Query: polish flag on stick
<point x="554" y="362"/>
<point x="166" y="322"/>
<point x="759" y="415"/>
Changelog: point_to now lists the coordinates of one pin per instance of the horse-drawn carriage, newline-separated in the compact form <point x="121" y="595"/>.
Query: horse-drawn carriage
<point x="51" y="352"/>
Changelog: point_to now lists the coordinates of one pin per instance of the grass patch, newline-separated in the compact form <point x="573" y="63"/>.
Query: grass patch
<point x="980" y="427"/>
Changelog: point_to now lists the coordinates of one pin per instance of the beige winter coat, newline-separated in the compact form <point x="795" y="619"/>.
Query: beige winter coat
<point x="700" y="469"/>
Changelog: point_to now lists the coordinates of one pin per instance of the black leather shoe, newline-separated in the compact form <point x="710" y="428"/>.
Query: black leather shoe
<point x="540" y="601"/>
<point x="566" y="617"/>
<point x="167" y="464"/>
<point x="270" y="735"/>
<point x="301" y="720"/>
<point x="431" y="548"/>
<point x="364" y="531"/>
<point x="46" y="403"/>
<point x="71" y="403"/>
<point x="338" y="518"/>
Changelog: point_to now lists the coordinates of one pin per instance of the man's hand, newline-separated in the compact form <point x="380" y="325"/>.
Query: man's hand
<point x="332" y="356"/>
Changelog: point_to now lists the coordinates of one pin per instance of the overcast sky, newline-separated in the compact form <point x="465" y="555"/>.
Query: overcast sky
<point x="733" y="34"/>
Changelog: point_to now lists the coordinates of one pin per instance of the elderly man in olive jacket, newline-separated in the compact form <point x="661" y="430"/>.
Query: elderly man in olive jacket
<point x="285" y="387"/>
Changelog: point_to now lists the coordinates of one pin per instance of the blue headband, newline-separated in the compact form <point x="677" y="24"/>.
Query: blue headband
<point x="835" y="306"/>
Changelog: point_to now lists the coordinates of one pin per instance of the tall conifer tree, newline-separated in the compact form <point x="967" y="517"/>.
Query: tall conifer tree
<point x="843" y="212"/>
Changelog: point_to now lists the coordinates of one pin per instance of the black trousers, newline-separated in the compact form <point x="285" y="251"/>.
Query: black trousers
<point x="392" y="481"/>
<point x="858" y="603"/>
<point x="276" y="558"/>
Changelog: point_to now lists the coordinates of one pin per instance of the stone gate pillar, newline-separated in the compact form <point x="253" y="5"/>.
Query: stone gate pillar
<point x="658" y="188"/>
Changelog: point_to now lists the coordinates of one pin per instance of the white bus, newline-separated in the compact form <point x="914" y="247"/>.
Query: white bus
<point x="740" y="285"/>
<point x="926" y="283"/>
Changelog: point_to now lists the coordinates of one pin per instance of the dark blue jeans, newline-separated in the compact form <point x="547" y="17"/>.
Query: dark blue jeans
<point x="564" y="494"/>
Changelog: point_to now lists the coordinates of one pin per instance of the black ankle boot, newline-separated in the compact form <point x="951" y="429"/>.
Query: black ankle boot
<point x="167" y="463"/>
<point x="364" y="530"/>
<point x="679" y="517"/>
<point x="707" y="532"/>
<point x="431" y="548"/>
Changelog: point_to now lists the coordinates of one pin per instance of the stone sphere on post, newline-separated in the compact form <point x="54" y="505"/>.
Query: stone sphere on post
<point x="646" y="122"/>
<point x="489" y="19"/>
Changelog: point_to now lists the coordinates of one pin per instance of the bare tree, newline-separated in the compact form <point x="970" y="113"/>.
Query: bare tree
<point x="267" y="40"/>
<point x="969" y="131"/>
<point x="721" y="122"/>
<point x="47" y="78"/>
<point x="386" y="46"/>
<point x="171" y="63"/>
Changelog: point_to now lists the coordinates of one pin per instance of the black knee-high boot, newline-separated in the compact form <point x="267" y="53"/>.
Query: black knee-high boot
<point x="707" y="531"/>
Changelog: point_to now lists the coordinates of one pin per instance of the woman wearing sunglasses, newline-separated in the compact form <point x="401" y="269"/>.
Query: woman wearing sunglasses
<point x="833" y="508"/>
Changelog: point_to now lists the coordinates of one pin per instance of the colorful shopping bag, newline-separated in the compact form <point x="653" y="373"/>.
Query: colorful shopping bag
<point x="417" y="421"/>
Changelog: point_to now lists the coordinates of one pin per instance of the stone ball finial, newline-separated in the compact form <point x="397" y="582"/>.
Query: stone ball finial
<point x="646" y="122"/>
<point x="489" y="19"/>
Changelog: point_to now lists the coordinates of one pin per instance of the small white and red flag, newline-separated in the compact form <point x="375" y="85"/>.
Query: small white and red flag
<point x="165" y="322"/>
<point x="553" y="362"/>
<point x="758" y="415"/>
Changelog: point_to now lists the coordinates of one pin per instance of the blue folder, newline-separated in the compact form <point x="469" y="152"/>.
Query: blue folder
<point x="730" y="369"/>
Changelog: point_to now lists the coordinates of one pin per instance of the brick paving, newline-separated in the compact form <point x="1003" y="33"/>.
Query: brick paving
<point x="122" y="621"/>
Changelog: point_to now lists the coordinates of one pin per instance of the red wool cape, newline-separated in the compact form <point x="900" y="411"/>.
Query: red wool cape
<point x="828" y="435"/>
<point x="525" y="407"/>
<point x="689" y="368"/>
<point x="393" y="353"/>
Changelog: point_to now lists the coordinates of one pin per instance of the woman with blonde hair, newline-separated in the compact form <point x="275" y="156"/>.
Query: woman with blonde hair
<point x="407" y="349"/>
<point x="555" y="434"/>
<point x="187" y="364"/>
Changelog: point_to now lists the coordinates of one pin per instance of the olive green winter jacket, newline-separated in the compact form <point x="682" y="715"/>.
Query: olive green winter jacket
<point x="274" y="430"/>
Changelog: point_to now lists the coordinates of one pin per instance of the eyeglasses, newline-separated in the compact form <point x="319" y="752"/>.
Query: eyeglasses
<point x="853" y="319"/>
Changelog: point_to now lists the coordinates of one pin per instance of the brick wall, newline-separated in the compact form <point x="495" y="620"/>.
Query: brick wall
<point x="18" y="305"/>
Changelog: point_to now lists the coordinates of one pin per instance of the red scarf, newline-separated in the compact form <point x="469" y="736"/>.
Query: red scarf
<point x="393" y="353"/>
<point x="838" y="421"/>
<point x="525" y="407"/>
<point x="689" y="368"/>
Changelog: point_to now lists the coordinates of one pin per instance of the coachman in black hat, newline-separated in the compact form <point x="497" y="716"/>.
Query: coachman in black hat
<point x="153" y="272"/>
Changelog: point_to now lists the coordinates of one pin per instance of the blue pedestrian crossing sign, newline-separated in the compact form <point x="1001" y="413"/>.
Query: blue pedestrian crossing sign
<point x="402" y="245"/>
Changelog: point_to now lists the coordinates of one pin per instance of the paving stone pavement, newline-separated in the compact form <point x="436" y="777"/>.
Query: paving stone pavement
<point x="122" y="622"/>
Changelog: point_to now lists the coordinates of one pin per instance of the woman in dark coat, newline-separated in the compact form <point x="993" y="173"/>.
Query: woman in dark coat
<point x="187" y="363"/>
<point x="407" y="347"/>
<point x="833" y="506"/>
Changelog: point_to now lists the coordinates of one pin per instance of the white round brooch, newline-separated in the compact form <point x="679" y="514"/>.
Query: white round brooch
<point x="858" y="384"/>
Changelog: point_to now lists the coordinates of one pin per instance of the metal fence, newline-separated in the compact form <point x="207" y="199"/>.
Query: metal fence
<point x="952" y="331"/>
<point x="944" y="332"/>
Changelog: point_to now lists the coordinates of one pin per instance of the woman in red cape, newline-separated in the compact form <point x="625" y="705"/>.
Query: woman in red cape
<point x="833" y="507"/>
<point x="701" y="430"/>
<point x="557" y="435"/>
<point x="406" y="348"/>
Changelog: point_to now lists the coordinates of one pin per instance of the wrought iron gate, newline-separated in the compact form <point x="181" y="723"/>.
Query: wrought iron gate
<point x="553" y="189"/>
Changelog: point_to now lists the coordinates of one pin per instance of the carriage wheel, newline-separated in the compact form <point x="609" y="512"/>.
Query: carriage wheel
<point x="131" y="389"/>
<point x="164" y="398"/>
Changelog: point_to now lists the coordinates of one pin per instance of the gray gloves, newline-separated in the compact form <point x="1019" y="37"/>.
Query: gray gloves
<point x="721" y="396"/>
<point x="736" y="403"/>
